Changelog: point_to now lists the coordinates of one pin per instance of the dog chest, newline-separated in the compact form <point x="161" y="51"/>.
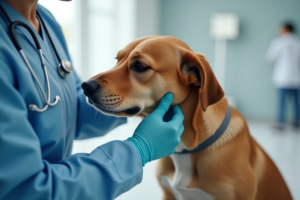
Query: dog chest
<point x="182" y="178"/>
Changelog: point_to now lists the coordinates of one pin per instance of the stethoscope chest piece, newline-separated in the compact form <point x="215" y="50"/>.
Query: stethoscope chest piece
<point x="64" y="68"/>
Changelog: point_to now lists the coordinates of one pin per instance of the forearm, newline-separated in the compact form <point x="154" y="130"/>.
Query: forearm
<point x="103" y="174"/>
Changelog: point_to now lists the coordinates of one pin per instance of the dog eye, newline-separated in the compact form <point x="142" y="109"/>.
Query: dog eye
<point x="138" y="67"/>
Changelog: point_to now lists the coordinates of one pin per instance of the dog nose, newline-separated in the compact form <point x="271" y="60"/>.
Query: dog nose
<point x="90" y="87"/>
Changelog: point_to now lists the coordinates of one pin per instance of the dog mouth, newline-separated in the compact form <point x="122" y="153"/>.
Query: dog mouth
<point x="130" y="111"/>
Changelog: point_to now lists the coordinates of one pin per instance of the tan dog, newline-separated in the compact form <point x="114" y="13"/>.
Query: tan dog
<point x="233" y="167"/>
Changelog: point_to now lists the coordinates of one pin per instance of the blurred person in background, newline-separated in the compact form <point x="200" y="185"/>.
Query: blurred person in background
<point x="284" y="52"/>
<point x="35" y="147"/>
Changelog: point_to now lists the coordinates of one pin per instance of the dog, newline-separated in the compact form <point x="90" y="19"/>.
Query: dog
<point x="233" y="166"/>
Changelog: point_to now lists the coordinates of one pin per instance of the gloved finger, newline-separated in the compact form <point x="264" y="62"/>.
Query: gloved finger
<point x="163" y="105"/>
<point x="178" y="117"/>
<point x="168" y="116"/>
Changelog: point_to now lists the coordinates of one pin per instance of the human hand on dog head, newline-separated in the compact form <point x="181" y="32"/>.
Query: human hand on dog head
<point x="158" y="135"/>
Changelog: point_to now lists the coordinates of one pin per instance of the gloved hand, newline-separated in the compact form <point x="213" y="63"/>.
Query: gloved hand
<point x="156" y="138"/>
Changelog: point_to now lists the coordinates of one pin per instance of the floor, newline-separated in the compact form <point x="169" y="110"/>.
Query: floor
<point x="282" y="146"/>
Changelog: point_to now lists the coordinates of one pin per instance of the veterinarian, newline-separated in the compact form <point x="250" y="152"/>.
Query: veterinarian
<point x="284" y="52"/>
<point x="40" y="118"/>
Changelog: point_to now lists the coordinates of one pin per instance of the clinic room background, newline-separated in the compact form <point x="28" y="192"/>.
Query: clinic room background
<point x="96" y="29"/>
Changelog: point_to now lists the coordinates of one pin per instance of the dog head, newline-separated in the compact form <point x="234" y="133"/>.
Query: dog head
<point x="146" y="70"/>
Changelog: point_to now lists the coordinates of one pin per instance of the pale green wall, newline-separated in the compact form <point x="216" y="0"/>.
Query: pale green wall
<point x="248" y="76"/>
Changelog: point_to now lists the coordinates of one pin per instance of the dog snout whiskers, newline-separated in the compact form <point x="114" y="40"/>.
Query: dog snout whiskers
<point x="111" y="100"/>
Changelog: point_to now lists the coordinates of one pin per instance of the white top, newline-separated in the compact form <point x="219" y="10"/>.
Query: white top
<point x="284" y="52"/>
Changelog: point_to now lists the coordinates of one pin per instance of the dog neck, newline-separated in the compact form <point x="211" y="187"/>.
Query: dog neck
<point x="200" y="125"/>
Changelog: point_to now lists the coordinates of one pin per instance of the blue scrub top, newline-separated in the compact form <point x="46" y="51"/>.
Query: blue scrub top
<point x="35" y="148"/>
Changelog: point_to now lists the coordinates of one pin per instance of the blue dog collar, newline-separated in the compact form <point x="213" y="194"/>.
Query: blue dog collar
<point x="213" y="138"/>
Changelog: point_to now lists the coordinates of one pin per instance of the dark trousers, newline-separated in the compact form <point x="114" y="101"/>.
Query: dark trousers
<point x="294" y="94"/>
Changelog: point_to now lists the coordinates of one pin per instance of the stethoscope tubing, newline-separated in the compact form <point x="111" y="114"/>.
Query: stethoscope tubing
<point x="47" y="100"/>
<point x="14" y="38"/>
<point x="15" y="41"/>
<point x="48" y="34"/>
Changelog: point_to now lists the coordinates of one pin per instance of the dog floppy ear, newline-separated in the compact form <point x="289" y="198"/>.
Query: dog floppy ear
<point x="196" y="70"/>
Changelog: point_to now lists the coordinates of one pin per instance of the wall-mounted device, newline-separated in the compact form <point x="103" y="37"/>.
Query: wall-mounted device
<point x="223" y="27"/>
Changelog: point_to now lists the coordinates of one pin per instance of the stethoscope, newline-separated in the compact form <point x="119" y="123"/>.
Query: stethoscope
<point x="64" y="67"/>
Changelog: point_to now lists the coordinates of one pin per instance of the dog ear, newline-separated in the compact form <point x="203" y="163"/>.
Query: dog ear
<point x="196" y="70"/>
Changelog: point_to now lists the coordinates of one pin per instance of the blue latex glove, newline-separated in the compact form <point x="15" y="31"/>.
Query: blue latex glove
<point x="159" y="133"/>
